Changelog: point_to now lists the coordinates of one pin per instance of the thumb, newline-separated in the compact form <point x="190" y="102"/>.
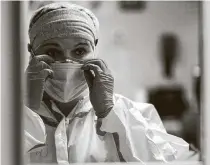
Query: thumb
<point x="89" y="78"/>
<point x="46" y="73"/>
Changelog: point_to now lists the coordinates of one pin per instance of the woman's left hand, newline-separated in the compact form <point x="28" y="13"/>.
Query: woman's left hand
<point x="101" y="86"/>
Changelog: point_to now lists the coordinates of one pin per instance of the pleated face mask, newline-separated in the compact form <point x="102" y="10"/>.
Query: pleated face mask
<point x="68" y="82"/>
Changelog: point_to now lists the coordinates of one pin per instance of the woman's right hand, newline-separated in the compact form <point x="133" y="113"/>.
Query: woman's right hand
<point x="36" y="73"/>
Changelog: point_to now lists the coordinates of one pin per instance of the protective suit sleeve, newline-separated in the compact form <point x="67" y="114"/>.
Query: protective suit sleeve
<point x="142" y="136"/>
<point x="34" y="130"/>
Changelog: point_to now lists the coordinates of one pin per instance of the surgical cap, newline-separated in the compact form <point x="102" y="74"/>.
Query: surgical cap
<point x="62" y="20"/>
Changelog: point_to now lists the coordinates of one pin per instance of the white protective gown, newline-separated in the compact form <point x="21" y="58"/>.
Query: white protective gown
<point x="131" y="132"/>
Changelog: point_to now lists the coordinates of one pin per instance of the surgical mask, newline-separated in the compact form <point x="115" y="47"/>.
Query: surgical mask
<point x="68" y="82"/>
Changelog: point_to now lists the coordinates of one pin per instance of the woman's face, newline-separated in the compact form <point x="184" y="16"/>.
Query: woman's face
<point x="61" y="49"/>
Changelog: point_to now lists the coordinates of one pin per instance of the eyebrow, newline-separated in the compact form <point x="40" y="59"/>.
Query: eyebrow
<point x="51" y="44"/>
<point x="82" y="43"/>
<point x="57" y="45"/>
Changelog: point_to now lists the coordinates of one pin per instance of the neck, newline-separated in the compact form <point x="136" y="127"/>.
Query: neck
<point x="65" y="108"/>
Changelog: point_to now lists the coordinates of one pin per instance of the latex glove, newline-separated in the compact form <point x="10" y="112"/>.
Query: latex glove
<point x="101" y="86"/>
<point x="35" y="75"/>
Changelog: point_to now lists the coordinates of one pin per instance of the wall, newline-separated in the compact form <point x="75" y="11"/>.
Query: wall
<point x="134" y="60"/>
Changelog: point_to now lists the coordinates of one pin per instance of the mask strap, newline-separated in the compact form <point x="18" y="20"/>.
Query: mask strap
<point x="30" y="50"/>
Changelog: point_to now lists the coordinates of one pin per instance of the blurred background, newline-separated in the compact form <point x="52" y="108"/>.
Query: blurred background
<point x="152" y="49"/>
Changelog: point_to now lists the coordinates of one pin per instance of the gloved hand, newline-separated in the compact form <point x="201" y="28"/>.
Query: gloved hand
<point x="35" y="75"/>
<point x="101" y="86"/>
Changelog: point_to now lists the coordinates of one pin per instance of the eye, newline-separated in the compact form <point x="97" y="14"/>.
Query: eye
<point x="80" y="51"/>
<point x="54" y="53"/>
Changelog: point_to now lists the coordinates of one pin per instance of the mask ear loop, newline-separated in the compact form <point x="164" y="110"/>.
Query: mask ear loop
<point x="30" y="50"/>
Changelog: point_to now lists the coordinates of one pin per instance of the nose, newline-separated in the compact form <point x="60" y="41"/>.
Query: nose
<point x="68" y="57"/>
<point x="67" y="54"/>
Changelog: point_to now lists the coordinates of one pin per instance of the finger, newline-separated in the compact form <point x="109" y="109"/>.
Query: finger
<point x="96" y="69"/>
<point x="39" y="58"/>
<point x="45" y="73"/>
<point x="43" y="65"/>
<point x="38" y="67"/>
<point x="99" y="63"/>
<point x="89" y="78"/>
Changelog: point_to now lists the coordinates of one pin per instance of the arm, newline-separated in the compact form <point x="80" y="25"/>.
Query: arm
<point x="142" y="135"/>
<point x="35" y="75"/>
<point x="34" y="130"/>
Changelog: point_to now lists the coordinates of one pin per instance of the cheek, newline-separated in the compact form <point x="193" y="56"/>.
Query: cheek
<point x="90" y="55"/>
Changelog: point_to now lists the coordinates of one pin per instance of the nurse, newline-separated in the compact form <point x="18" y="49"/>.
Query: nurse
<point x="71" y="111"/>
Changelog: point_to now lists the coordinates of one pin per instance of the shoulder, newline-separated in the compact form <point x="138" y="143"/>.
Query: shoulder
<point x="132" y="104"/>
<point x="147" y="111"/>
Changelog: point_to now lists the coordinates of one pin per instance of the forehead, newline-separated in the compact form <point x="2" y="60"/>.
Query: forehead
<point x="65" y="42"/>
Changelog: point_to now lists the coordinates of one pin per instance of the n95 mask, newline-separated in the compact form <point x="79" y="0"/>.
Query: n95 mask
<point x="68" y="82"/>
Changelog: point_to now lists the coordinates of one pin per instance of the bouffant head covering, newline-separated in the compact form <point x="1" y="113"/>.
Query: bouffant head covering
<point x="62" y="20"/>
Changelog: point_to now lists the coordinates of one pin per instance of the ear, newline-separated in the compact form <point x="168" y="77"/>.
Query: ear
<point x="95" y="52"/>
<point x="29" y="47"/>
<point x="96" y="42"/>
<point x="30" y="58"/>
<point x="30" y="50"/>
